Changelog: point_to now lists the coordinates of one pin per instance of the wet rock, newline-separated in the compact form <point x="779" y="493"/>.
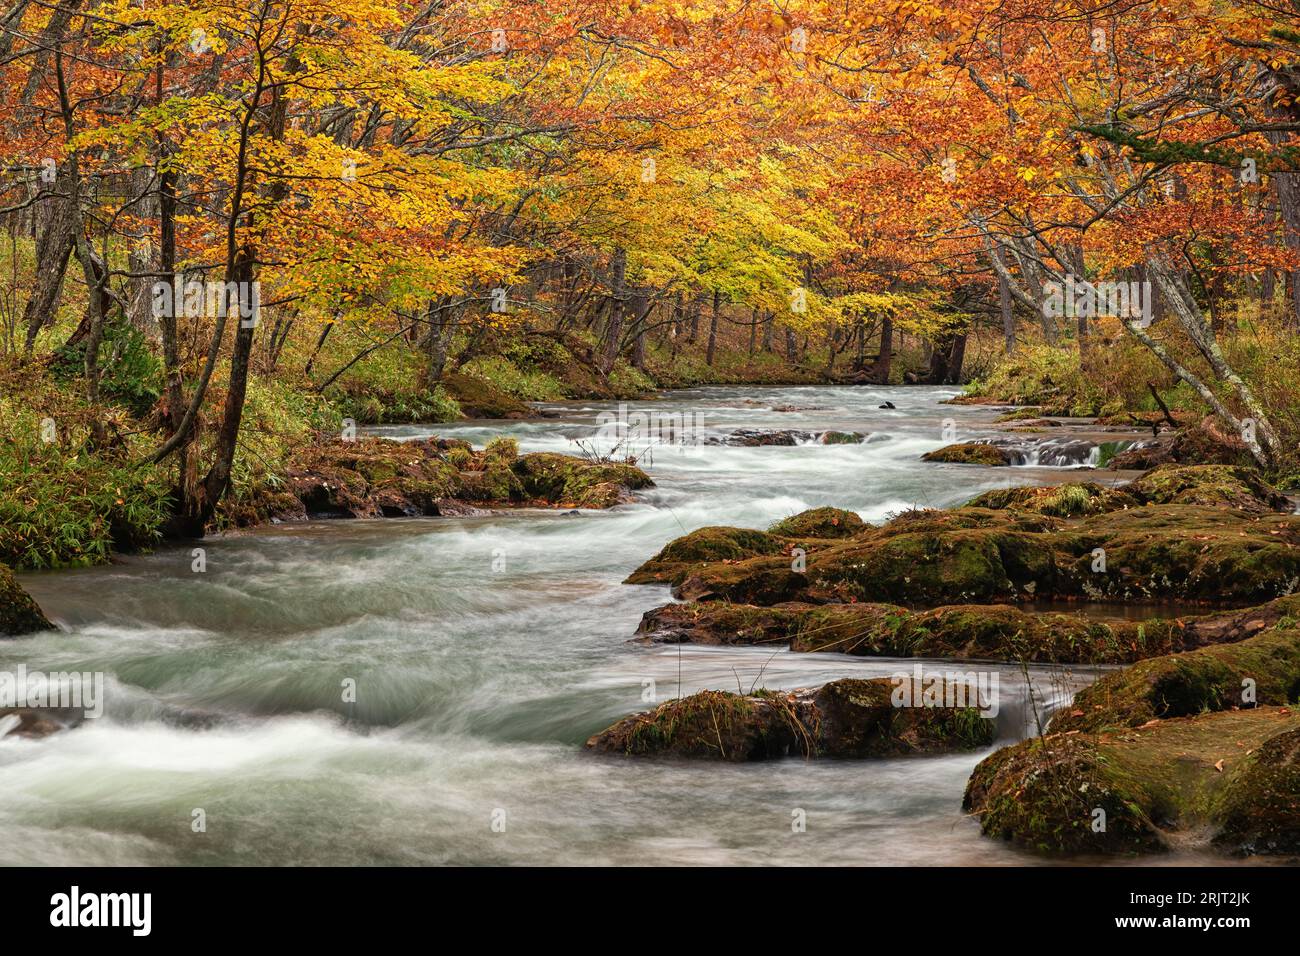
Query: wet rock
<point x="1201" y="443"/>
<point x="754" y="438"/>
<point x="820" y="523"/>
<point x="970" y="453"/>
<point x="845" y="718"/>
<point x="971" y="631"/>
<point x="842" y="438"/>
<point x="1062" y="501"/>
<point x="1150" y="782"/>
<point x="887" y="405"/>
<point x="1263" y="669"/>
<point x="983" y="556"/>
<point x="1259" y="812"/>
<point x="19" y="613"/>
<point x="1242" y="489"/>
<point x="37" y="722"/>
<point x="376" y="477"/>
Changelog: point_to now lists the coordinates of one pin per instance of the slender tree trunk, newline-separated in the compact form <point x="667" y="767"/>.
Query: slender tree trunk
<point x="617" y="310"/>
<point x="713" y="330"/>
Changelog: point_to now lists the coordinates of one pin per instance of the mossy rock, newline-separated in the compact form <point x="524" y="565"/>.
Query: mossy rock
<point x="970" y="632"/>
<point x="1021" y="414"/>
<point x="379" y="477"/>
<point x="496" y="482"/>
<point x="969" y="453"/>
<point x="1061" y="501"/>
<point x="19" y="613"/>
<point x="1151" y="782"/>
<point x="1259" y="811"/>
<point x="978" y="556"/>
<point x="1194" y="443"/>
<point x="1180" y="685"/>
<point x="1227" y="486"/>
<point x="573" y="482"/>
<point x="479" y="398"/>
<point x="843" y="438"/>
<point x="819" y="523"/>
<point x="703" y="547"/>
<point x="845" y="718"/>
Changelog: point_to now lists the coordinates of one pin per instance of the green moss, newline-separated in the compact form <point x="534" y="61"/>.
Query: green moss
<point x="819" y="523"/>
<point x="969" y="453"/>
<point x="1172" y="776"/>
<point x="479" y="398"/>
<point x="845" y="718"/>
<point x="1179" y="685"/>
<point x="1243" y="489"/>
<point x="1259" y="810"/>
<point x="1062" y="501"/>
<point x="574" y="482"/>
<point x="702" y="547"/>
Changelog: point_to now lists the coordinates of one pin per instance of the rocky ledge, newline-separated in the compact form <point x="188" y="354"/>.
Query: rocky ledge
<point x="379" y="477"/>
<point x="1073" y="542"/>
<point x="845" y="718"/>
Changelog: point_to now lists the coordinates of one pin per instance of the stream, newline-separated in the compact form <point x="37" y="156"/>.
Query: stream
<point x="484" y="651"/>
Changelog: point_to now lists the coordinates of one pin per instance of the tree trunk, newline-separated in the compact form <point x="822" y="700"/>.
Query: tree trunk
<point x="956" y="358"/>
<point x="713" y="330"/>
<point x="880" y="371"/>
<point x="617" y="310"/>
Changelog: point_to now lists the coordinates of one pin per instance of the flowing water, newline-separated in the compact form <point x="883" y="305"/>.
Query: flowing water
<point x="484" y="652"/>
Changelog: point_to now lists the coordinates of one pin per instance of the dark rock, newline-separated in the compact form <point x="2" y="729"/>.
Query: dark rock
<point x="845" y="718"/>
<point x="19" y="614"/>
<point x="36" y="722"/>
<point x="754" y="438"/>
<point x="970" y="453"/>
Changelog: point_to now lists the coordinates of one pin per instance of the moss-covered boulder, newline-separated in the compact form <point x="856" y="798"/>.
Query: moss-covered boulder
<point x="842" y="438"/>
<point x="19" y="614"/>
<point x="1264" y="669"/>
<point x="702" y="547"/>
<point x="1226" y="486"/>
<point x="971" y="631"/>
<point x="981" y="556"/>
<point x="378" y="477"/>
<point x="1061" y="501"/>
<point x="574" y="482"/>
<point x="845" y="718"/>
<point x="1193" y="443"/>
<point x="479" y="398"/>
<point x="819" y="523"/>
<point x="1259" y="810"/>
<point x="970" y="453"/>
<point x="1128" y="791"/>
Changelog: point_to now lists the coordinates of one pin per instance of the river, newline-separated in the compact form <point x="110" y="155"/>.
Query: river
<point x="484" y="651"/>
